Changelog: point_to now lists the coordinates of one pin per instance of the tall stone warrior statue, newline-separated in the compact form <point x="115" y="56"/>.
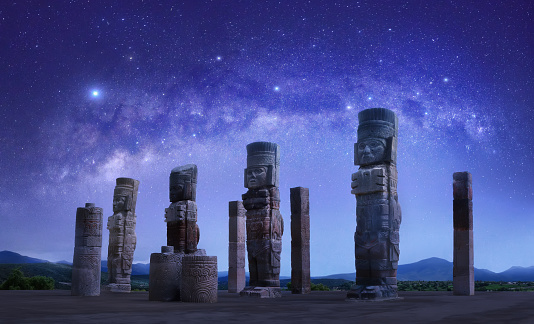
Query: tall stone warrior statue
<point x="122" y="239"/>
<point x="181" y="216"/>
<point x="264" y="223"/>
<point x="378" y="214"/>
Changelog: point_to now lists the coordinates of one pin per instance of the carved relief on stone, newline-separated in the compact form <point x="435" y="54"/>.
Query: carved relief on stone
<point x="378" y="214"/>
<point x="181" y="215"/>
<point x="165" y="275"/>
<point x="264" y="223"/>
<point x="87" y="251"/>
<point x="199" y="279"/>
<point x="122" y="237"/>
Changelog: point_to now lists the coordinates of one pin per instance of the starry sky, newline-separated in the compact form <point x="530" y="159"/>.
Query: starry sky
<point x="91" y="91"/>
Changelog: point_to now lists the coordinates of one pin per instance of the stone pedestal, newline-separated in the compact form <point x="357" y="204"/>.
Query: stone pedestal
<point x="300" y="241"/>
<point x="87" y="251"/>
<point x="463" y="263"/>
<point x="236" y="247"/>
<point x="165" y="275"/>
<point x="199" y="279"/>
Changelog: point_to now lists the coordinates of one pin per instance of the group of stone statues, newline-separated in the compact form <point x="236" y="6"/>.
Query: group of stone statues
<point x="183" y="272"/>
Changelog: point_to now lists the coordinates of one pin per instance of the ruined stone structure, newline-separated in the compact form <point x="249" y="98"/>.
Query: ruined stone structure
<point x="181" y="216"/>
<point x="236" y="247"/>
<point x="264" y="222"/>
<point x="199" y="279"/>
<point x="378" y="213"/>
<point x="122" y="239"/>
<point x="165" y="275"/>
<point x="463" y="263"/>
<point x="300" y="240"/>
<point x="182" y="236"/>
<point x="87" y="251"/>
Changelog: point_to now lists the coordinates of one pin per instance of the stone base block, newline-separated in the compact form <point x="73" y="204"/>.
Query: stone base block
<point x="119" y="288"/>
<point x="373" y="293"/>
<point x="262" y="292"/>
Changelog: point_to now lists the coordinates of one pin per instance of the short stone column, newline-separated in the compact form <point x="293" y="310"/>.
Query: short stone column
<point x="236" y="247"/>
<point x="87" y="251"/>
<point x="300" y="240"/>
<point x="463" y="269"/>
<point x="165" y="275"/>
<point x="199" y="279"/>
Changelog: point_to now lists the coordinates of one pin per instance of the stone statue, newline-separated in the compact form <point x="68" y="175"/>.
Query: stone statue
<point x="463" y="271"/>
<point x="181" y="216"/>
<point x="87" y="251"/>
<point x="122" y="239"/>
<point x="165" y="275"/>
<point x="378" y="214"/>
<point x="264" y="223"/>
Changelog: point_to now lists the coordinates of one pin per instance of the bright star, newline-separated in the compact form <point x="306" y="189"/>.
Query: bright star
<point x="219" y="58"/>
<point x="277" y="88"/>
<point x="445" y="79"/>
<point x="95" y="93"/>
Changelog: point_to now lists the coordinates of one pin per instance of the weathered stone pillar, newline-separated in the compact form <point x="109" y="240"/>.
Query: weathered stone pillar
<point x="87" y="251"/>
<point x="463" y="269"/>
<point x="236" y="247"/>
<point x="265" y="225"/>
<point x="165" y="275"/>
<point x="378" y="213"/>
<point x="300" y="240"/>
<point x="122" y="238"/>
<point x="199" y="279"/>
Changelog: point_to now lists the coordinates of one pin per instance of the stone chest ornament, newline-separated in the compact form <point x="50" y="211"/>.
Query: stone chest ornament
<point x="378" y="213"/>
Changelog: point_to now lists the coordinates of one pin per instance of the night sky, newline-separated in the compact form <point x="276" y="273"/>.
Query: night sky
<point x="91" y="91"/>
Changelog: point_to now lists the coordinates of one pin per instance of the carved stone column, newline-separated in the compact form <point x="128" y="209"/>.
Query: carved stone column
<point x="236" y="247"/>
<point x="122" y="238"/>
<point x="165" y="275"/>
<point x="300" y="240"/>
<point x="199" y="279"/>
<point x="378" y="213"/>
<point x="86" y="271"/>
<point x="265" y="225"/>
<point x="463" y="263"/>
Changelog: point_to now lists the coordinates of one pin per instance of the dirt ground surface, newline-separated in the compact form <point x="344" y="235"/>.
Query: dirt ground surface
<point x="57" y="306"/>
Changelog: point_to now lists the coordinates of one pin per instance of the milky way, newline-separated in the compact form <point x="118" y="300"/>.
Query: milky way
<point x="92" y="91"/>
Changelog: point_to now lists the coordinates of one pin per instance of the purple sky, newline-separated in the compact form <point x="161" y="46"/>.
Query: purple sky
<point x="92" y="91"/>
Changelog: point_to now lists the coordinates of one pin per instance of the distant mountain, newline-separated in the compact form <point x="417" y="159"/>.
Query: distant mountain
<point x="431" y="269"/>
<point x="436" y="269"/>
<point x="15" y="258"/>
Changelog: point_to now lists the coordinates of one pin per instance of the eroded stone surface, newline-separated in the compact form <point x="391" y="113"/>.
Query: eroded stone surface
<point x="264" y="223"/>
<point x="378" y="213"/>
<point x="165" y="275"/>
<point x="463" y="257"/>
<point x="87" y="251"/>
<point x="181" y="215"/>
<point x="199" y="279"/>
<point x="300" y="240"/>
<point x="122" y="238"/>
<point x="236" y="247"/>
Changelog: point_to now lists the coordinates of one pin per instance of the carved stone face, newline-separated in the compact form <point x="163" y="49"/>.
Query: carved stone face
<point x="176" y="191"/>
<point x="371" y="150"/>
<point x="256" y="177"/>
<point x="119" y="203"/>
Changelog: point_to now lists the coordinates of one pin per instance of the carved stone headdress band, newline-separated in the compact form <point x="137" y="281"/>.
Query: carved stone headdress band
<point x="377" y="122"/>
<point x="187" y="172"/>
<point x="127" y="187"/>
<point x="263" y="154"/>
